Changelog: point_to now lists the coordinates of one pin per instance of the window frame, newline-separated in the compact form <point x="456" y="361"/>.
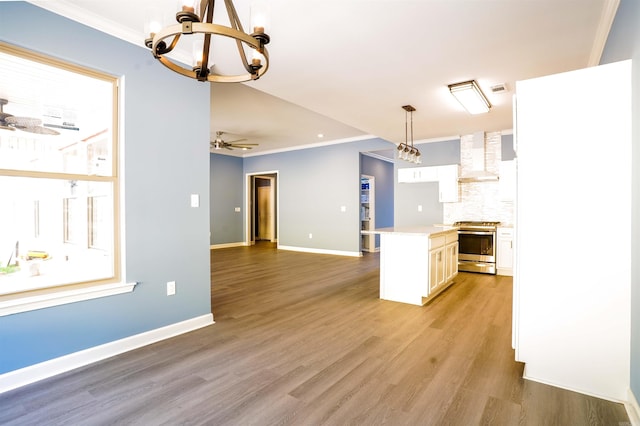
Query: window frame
<point x="57" y="294"/>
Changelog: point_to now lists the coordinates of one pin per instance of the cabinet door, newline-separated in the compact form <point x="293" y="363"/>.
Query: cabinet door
<point x="504" y="249"/>
<point x="451" y="261"/>
<point x="448" y="183"/>
<point x="436" y="268"/>
<point x="505" y="253"/>
<point x="418" y="174"/>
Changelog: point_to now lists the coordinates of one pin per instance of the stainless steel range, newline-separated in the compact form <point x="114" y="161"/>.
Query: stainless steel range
<point x="477" y="246"/>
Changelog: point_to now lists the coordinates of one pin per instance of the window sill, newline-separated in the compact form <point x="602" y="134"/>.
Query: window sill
<point x="61" y="297"/>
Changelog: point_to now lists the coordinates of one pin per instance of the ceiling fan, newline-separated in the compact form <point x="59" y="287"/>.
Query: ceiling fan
<point x="219" y="143"/>
<point x="26" y="124"/>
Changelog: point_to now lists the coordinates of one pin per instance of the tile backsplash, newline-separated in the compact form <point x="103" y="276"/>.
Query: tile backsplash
<point x="480" y="200"/>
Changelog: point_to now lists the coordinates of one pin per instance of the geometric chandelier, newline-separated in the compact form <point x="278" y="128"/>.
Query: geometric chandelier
<point x="406" y="150"/>
<point x="195" y="23"/>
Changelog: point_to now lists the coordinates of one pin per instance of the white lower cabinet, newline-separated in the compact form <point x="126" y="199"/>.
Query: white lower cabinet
<point x="504" y="255"/>
<point x="451" y="260"/>
<point x="443" y="260"/>
<point x="437" y="268"/>
<point x="416" y="264"/>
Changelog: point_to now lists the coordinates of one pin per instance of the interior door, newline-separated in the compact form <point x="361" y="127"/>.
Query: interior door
<point x="264" y="213"/>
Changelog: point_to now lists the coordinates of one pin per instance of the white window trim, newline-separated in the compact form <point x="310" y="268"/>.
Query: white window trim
<point x="53" y="297"/>
<point x="27" y="303"/>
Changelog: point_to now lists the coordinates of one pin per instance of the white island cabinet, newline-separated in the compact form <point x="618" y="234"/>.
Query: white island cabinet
<point x="416" y="263"/>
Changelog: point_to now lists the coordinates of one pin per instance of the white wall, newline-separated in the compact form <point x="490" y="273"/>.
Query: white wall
<point x="573" y="219"/>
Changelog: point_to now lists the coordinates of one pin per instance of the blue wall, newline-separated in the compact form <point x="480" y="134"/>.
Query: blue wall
<point x="226" y="194"/>
<point x="507" y="153"/>
<point x="425" y="194"/>
<point x="624" y="43"/>
<point x="314" y="184"/>
<point x="164" y="162"/>
<point x="384" y="195"/>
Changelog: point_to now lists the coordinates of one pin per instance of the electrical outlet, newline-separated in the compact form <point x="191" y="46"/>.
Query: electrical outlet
<point x="195" y="200"/>
<point x="237" y="209"/>
<point x="419" y="208"/>
<point x="310" y="235"/>
<point x="171" y="288"/>
<point x="343" y="209"/>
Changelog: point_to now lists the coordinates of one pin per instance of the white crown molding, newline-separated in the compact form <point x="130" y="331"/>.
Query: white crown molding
<point x="374" y="154"/>
<point x="312" y="145"/>
<point x="79" y="14"/>
<point x="607" y="17"/>
<point x="71" y="10"/>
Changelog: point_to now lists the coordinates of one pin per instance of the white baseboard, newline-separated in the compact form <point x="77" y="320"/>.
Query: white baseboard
<point x="633" y="409"/>
<point x="619" y="400"/>
<point x="33" y="373"/>
<point x="321" y="251"/>
<point x="227" y="245"/>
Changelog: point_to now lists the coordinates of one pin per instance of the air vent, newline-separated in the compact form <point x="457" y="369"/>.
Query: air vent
<point x="499" y="88"/>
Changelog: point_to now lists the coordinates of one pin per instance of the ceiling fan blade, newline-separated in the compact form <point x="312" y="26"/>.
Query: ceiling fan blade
<point x="237" y="140"/>
<point x="39" y="130"/>
<point x="23" y="121"/>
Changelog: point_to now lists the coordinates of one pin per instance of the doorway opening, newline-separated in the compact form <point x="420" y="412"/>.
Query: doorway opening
<point x="262" y="207"/>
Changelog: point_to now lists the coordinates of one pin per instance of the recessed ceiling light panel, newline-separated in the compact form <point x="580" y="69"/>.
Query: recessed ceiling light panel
<point x="470" y="96"/>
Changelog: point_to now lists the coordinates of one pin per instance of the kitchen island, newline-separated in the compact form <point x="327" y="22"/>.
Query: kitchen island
<point x="416" y="263"/>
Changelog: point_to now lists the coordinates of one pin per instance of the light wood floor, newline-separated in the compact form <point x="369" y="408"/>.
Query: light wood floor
<point x="303" y="339"/>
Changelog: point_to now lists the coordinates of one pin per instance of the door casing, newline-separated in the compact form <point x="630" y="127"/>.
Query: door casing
<point x="250" y="215"/>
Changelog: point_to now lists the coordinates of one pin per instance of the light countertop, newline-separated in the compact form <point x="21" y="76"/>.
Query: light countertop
<point x="412" y="230"/>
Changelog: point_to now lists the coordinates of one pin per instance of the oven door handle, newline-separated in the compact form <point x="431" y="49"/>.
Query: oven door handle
<point x="461" y="232"/>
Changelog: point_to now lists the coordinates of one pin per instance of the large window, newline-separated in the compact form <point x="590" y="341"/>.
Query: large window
<point x="58" y="176"/>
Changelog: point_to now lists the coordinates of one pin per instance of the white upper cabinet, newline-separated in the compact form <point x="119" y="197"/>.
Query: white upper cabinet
<point x="448" y="181"/>
<point x="418" y="174"/>
<point x="446" y="176"/>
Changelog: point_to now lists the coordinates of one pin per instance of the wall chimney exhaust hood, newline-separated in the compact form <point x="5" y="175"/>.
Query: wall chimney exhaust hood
<point x="474" y="162"/>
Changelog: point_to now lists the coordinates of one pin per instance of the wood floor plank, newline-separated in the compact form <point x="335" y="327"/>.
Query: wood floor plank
<point x="303" y="339"/>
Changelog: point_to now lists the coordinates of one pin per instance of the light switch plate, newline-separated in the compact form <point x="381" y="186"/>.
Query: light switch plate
<point x="195" y="200"/>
